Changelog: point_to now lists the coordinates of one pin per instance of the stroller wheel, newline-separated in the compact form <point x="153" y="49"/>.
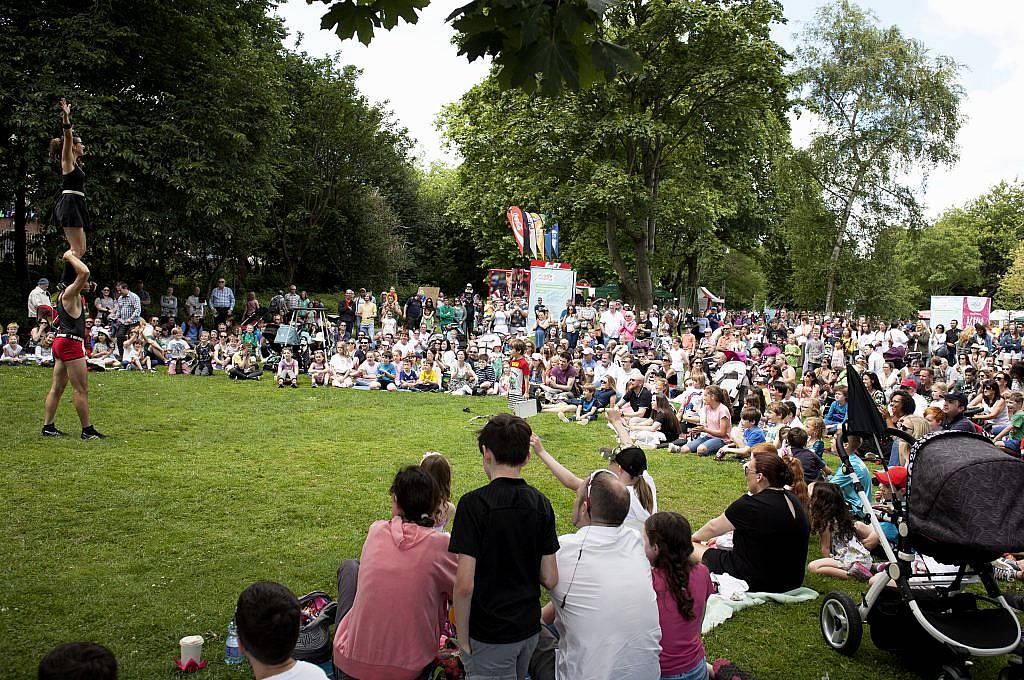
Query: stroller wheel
<point x="840" y="623"/>
<point x="952" y="673"/>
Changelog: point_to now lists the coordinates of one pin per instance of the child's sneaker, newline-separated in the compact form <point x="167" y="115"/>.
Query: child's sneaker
<point x="1005" y="570"/>
<point x="859" y="571"/>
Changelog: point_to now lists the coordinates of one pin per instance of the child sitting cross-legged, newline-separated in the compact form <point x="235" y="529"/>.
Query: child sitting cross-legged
<point x="586" y="410"/>
<point x="845" y="543"/>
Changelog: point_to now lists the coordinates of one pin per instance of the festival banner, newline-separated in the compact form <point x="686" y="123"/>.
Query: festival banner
<point x="531" y="233"/>
<point x="553" y="249"/>
<point x="515" y="219"/>
<point x="539" y="234"/>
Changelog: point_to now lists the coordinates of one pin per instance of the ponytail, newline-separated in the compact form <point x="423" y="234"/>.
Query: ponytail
<point x="798" y="486"/>
<point x="644" y="493"/>
<point x="56" y="148"/>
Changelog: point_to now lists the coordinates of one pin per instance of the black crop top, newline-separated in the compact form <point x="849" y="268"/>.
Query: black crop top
<point x="74" y="180"/>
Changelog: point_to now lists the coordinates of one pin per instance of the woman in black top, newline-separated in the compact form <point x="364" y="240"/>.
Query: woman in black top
<point x="770" y="530"/>
<point x="70" y="213"/>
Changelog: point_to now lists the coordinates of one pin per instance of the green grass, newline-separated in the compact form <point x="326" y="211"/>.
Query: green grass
<point x="206" y="485"/>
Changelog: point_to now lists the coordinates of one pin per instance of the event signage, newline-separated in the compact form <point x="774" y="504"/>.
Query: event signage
<point x="552" y="282"/>
<point x="967" y="310"/>
<point x="515" y="219"/>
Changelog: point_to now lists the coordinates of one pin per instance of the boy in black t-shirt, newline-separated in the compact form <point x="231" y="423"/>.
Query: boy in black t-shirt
<point x="504" y="535"/>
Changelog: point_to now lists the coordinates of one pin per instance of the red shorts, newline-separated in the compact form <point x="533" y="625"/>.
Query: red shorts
<point x="67" y="349"/>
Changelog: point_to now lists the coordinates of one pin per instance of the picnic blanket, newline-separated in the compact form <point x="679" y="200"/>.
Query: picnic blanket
<point x="720" y="607"/>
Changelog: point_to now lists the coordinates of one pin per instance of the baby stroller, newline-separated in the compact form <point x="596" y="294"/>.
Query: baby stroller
<point x="732" y="377"/>
<point x="962" y="508"/>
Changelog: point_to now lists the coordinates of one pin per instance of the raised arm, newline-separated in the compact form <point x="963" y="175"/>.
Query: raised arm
<point x="67" y="154"/>
<point x="561" y="473"/>
<point x="72" y="293"/>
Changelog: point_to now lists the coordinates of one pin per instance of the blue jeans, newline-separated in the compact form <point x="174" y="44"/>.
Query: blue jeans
<point x="712" y="444"/>
<point x="698" y="672"/>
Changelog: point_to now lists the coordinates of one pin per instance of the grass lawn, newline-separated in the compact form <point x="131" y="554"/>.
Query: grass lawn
<point x="206" y="485"/>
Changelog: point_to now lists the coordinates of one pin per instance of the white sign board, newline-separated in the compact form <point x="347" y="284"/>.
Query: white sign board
<point x="555" y="285"/>
<point x="967" y="310"/>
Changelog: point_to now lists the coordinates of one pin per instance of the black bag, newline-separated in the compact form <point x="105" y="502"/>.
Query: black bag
<point x="318" y="611"/>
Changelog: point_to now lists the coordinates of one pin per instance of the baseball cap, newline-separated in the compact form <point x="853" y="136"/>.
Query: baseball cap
<point x="537" y="355"/>
<point x="587" y="350"/>
<point x="907" y="382"/>
<point x="958" y="397"/>
<point x="635" y="374"/>
<point x="897" y="476"/>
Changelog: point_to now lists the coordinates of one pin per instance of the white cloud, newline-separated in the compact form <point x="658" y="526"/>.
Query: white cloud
<point x="414" y="68"/>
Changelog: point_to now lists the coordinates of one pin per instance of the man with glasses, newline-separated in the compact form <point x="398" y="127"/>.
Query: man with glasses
<point x="603" y="607"/>
<point x="222" y="299"/>
<point x="104" y="305"/>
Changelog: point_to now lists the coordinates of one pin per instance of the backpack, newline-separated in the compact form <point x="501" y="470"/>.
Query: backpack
<point x="315" y="640"/>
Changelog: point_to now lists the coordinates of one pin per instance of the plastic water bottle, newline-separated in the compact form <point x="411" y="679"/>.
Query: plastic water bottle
<point x="232" y="654"/>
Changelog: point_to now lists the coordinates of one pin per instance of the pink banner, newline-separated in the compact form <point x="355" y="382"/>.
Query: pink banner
<point x="976" y="310"/>
<point x="515" y="218"/>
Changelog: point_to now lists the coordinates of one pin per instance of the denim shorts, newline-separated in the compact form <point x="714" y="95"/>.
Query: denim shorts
<point x="711" y="443"/>
<point x="698" y="672"/>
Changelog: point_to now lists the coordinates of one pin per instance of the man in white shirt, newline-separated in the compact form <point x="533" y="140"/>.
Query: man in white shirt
<point x="895" y="337"/>
<point x="604" y="606"/>
<point x="612" y="320"/>
<point x="267" y="616"/>
<point x="876" y="360"/>
<point x="39" y="297"/>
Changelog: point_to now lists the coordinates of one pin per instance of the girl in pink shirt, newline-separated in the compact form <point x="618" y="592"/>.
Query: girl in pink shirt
<point x="682" y="586"/>
<point x="393" y="601"/>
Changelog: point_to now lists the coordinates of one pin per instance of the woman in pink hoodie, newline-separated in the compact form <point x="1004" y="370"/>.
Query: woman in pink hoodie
<point x="393" y="600"/>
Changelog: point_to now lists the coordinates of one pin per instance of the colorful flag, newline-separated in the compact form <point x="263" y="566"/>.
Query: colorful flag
<point x="553" y="231"/>
<point x="515" y="219"/>
<point x="539" y="235"/>
<point x="531" y="233"/>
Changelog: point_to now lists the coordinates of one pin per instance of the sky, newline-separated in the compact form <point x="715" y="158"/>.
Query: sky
<point x="415" y="72"/>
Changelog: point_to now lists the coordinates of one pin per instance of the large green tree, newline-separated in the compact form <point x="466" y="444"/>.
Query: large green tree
<point x="884" y="106"/>
<point x="650" y="163"/>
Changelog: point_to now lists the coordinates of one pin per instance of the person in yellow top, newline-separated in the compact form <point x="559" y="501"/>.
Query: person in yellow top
<point x="429" y="374"/>
<point x="367" y="311"/>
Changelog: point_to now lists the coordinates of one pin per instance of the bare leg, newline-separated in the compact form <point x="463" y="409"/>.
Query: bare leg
<point x="60" y="380"/>
<point x="76" y="241"/>
<point x="80" y="384"/>
<point x="827" y="566"/>
<point x="698" y="550"/>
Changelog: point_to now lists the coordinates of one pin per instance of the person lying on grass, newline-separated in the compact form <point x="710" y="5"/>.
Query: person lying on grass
<point x="846" y="545"/>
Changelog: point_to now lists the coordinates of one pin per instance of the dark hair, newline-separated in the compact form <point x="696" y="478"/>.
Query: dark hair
<point x="873" y="379"/>
<point x="608" y="499"/>
<point x="664" y="407"/>
<point x="633" y="460"/>
<point x="790" y="408"/>
<point x="829" y="512"/>
<point x="780" y="386"/>
<point x="909" y="405"/>
<point x="507" y="437"/>
<point x="78" y="661"/>
<point x="797" y="437"/>
<point x="417" y="494"/>
<point x="773" y="468"/>
<point x="671" y="533"/>
<point x="267" y="616"/>
<point x="994" y="386"/>
<point x="750" y="414"/>
<point x="437" y="466"/>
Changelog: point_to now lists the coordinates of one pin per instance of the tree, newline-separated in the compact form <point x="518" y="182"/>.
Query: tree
<point x="885" y="106"/>
<point x="1010" y="294"/>
<point x="677" y="152"/>
<point x="535" y="44"/>
<point x="942" y="259"/>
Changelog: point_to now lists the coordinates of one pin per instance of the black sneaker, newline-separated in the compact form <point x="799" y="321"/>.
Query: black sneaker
<point x="52" y="431"/>
<point x="91" y="433"/>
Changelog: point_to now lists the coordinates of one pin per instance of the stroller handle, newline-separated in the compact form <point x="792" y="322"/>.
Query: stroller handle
<point x="889" y="431"/>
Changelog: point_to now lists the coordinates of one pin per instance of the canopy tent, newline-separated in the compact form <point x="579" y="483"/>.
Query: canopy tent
<point x="710" y="296"/>
<point x="608" y="290"/>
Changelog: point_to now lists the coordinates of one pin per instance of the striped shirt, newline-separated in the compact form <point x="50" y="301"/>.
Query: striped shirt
<point x="129" y="308"/>
<point x="222" y="297"/>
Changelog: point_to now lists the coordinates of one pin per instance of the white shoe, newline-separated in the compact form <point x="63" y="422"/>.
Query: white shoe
<point x="674" y="448"/>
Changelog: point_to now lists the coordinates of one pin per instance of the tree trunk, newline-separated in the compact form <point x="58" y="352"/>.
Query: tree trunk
<point x="838" y="247"/>
<point x="630" y="290"/>
<point x="21" y="235"/>
<point x="691" y="283"/>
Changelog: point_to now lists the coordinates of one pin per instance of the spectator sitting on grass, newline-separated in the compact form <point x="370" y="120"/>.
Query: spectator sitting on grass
<point x="750" y="435"/>
<point x="268" y="615"/>
<point x="177" y="350"/>
<point x="504" y="535"/>
<point x="287" y="369"/>
<point x="203" y="364"/>
<point x="604" y="606"/>
<point x="44" y="351"/>
<point x="78" y="661"/>
<point x="135" y="357"/>
<point x="13" y="353"/>
<point x="244" y="366"/>
<point x="392" y="601"/>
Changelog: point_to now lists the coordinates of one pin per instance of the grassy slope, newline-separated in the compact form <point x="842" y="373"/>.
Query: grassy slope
<point x="206" y="485"/>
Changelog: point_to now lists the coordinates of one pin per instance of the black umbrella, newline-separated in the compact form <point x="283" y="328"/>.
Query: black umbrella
<point x="862" y="414"/>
